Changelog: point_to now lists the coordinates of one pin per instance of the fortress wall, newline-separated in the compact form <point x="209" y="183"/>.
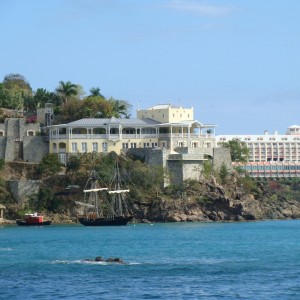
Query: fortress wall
<point x="34" y="148"/>
<point x="222" y="156"/>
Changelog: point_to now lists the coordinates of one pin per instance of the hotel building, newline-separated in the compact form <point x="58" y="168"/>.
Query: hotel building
<point x="270" y="155"/>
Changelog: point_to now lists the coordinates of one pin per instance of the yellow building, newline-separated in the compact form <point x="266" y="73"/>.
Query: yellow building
<point x="167" y="113"/>
<point x="161" y="126"/>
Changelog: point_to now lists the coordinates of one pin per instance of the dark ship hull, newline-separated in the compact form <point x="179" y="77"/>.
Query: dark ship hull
<point x="25" y="223"/>
<point x="117" y="221"/>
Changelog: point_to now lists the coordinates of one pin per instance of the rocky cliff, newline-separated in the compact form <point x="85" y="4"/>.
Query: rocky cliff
<point x="237" y="199"/>
<point x="210" y="201"/>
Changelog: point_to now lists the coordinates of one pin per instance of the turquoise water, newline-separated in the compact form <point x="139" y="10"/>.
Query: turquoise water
<point x="255" y="260"/>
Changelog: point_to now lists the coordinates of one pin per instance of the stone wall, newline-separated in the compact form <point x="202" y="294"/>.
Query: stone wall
<point x="34" y="148"/>
<point x="9" y="154"/>
<point x="180" y="166"/>
<point x="21" y="190"/>
<point x="21" y="142"/>
<point x="195" y="151"/>
<point x="2" y="146"/>
<point x="186" y="163"/>
<point x="222" y="156"/>
<point x="175" y="169"/>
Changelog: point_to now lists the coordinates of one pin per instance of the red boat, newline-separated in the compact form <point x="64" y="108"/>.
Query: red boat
<point x="33" y="220"/>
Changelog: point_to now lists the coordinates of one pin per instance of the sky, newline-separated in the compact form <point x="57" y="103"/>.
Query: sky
<point x="235" y="62"/>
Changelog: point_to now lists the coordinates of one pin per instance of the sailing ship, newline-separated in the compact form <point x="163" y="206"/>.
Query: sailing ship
<point x="105" y="206"/>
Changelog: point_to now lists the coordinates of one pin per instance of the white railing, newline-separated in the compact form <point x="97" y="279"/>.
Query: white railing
<point x="127" y="136"/>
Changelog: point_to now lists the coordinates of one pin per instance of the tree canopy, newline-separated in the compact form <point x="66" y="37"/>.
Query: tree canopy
<point x="69" y="100"/>
<point x="238" y="150"/>
<point x="13" y="92"/>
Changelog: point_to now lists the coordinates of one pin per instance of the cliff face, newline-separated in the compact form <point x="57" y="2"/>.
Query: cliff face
<point x="209" y="201"/>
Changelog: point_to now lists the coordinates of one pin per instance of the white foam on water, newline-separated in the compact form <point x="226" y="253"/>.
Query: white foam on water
<point x="103" y="263"/>
<point x="6" y="249"/>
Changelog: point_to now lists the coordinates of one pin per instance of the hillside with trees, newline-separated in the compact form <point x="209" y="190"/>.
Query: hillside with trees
<point x="218" y="195"/>
<point x="69" y="101"/>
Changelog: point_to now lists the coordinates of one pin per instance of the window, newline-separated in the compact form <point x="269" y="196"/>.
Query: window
<point x="30" y="133"/>
<point x="54" y="147"/>
<point x="74" y="147"/>
<point x="95" y="147"/>
<point x="104" y="147"/>
<point x="128" y="131"/>
<point x="132" y="145"/>
<point x="83" y="147"/>
<point x="154" y="145"/>
<point x="125" y="145"/>
<point x="146" y="145"/>
<point x="148" y="130"/>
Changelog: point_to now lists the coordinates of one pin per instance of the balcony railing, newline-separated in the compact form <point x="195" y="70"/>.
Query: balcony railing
<point x="126" y="136"/>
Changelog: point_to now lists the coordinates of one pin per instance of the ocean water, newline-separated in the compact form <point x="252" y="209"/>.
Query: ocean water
<point x="254" y="260"/>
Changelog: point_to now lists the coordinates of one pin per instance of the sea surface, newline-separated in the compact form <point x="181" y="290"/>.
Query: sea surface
<point x="253" y="260"/>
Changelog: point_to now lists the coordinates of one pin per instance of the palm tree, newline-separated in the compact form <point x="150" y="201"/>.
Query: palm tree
<point x="66" y="90"/>
<point x="95" y="92"/>
<point x="120" y="108"/>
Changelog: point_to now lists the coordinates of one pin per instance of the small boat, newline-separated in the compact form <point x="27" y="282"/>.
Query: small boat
<point x="105" y="206"/>
<point x="33" y="220"/>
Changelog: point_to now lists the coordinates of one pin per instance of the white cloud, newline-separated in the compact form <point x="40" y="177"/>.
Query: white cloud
<point x="201" y="7"/>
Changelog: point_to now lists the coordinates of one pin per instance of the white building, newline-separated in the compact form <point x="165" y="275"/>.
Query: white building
<point x="271" y="155"/>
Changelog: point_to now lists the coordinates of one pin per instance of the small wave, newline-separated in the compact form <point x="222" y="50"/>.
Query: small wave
<point x="6" y="249"/>
<point x="103" y="263"/>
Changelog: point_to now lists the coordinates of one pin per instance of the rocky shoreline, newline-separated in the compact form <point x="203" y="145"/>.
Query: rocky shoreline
<point x="203" y="201"/>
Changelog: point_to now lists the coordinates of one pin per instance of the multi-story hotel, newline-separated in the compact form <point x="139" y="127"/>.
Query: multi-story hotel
<point x="161" y="126"/>
<point x="271" y="155"/>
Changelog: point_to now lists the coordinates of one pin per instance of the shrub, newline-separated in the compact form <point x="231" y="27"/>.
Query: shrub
<point x="32" y="119"/>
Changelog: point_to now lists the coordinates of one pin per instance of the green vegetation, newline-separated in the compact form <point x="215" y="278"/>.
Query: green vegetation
<point x="49" y="166"/>
<point x="45" y="200"/>
<point x="238" y="150"/>
<point x="224" y="174"/>
<point x="68" y="100"/>
<point x="207" y="168"/>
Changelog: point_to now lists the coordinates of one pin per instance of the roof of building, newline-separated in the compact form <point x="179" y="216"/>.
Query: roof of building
<point x="164" y="106"/>
<point x="185" y="123"/>
<point x="294" y="126"/>
<point x="100" y="121"/>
